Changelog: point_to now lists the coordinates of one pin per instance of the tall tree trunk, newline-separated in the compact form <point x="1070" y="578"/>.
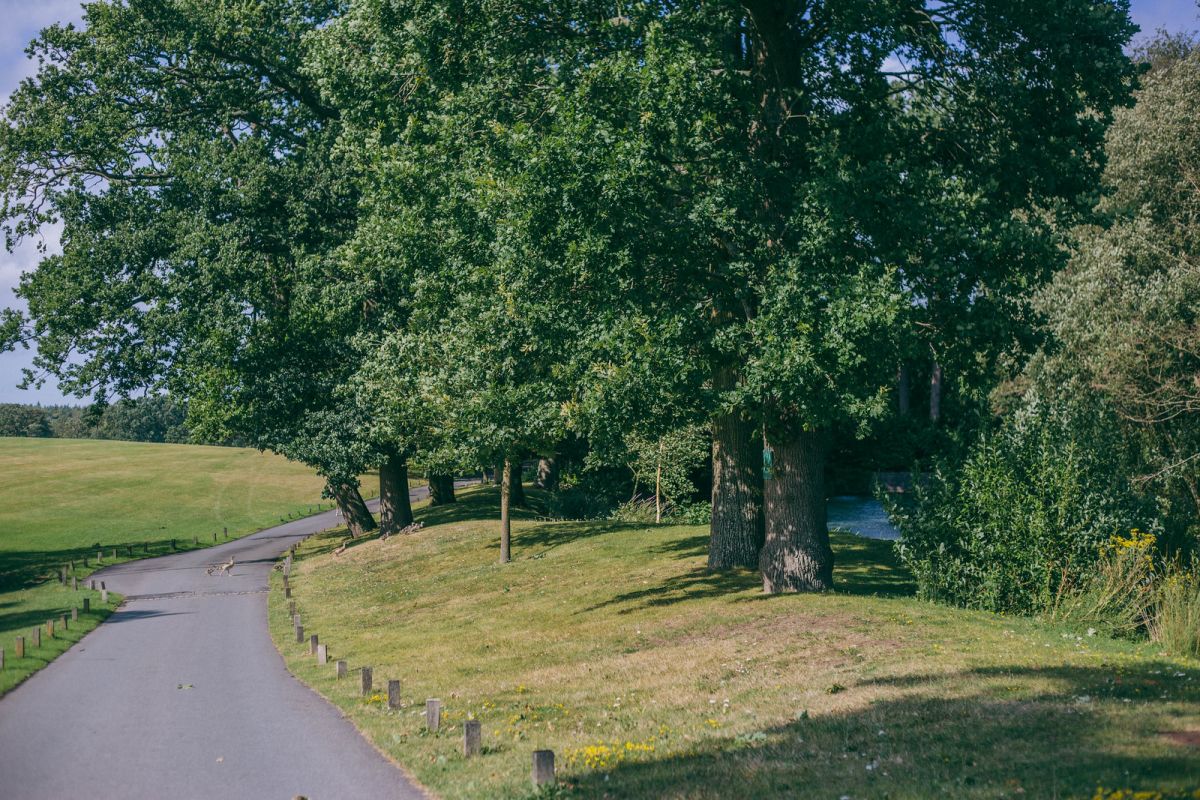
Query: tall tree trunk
<point x="935" y="392"/>
<point x="904" y="390"/>
<point x="736" y="531"/>
<point x="547" y="473"/>
<point x="354" y="509"/>
<point x="796" y="556"/>
<point x="516" y="490"/>
<point x="395" y="509"/>
<point x="441" y="489"/>
<point x="505" y="522"/>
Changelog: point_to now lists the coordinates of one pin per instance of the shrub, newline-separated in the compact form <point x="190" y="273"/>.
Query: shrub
<point x="637" y="510"/>
<point x="699" y="513"/>
<point x="1175" y="622"/>
<point x="1118" y="594"/>
<point x="1028" y="510"/>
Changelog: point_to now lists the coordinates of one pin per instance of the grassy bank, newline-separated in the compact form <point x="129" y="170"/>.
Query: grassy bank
<point x="651" y="677"/>
<point x="62" y="500"/>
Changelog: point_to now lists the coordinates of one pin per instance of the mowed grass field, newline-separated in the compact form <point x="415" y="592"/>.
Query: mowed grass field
<point x="63" y="499"/>
<point x="651" y="677"/>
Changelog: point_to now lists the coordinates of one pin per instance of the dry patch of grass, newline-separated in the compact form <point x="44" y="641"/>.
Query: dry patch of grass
<point x="651" y="677"/>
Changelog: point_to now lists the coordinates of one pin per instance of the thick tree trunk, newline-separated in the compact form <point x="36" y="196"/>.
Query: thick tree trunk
<point x="516" y="490"/>
<point x="935" y="393"/>
<point x="354" y="509"/>
<point x="796" y="556"/>
<point x="505" y="522"/>
<point x="904" y="390"/>
<point x="441" y="489"/>
<point x="736" y="531"/>
<point x="547" y="473"/>
<point x="395" y="509"/>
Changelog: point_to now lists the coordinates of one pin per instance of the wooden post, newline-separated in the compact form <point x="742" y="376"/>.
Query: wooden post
<point x="62" y="576"/>
<point x="62" y="622"/>
<point x="172" y="544"/>
<point x="472" y="737"/>
<point x="93" y="586"/>
<point x="74" y="584"/>
<point x="299" y="633"/>
<point x="129" y="550"/>
<point x="87" y="605"/>
<point x="341" y="669"/>
<point x="19" y="648"/>
<point x="74" y="614"/>
<point x="433" y="714"/>
<point x="50" y="628"/>
<point x="393" y="694"/>
<point x="365" y="678"/>
<point x="104" y="596"/>
<point x="102" y="586"/>
<point x="287" y="592"/>
<point x="35" y="637"/>
<point x="543" y="768"/>
<point x="85" y="562"/>
<point x="322" y="654"/>
<point x="295" y="619"/>
<point x="312" y="645"/>
<point x="114" y="554"/>
<point x="292" y="609"/>
<point x="99" y="556"/>
<point x="226" y="533"/>
<point x="214" y="537"/>
<point x="195" y="539"/>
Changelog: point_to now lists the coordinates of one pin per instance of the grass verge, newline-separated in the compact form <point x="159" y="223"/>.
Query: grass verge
<point x="649" y="676"/>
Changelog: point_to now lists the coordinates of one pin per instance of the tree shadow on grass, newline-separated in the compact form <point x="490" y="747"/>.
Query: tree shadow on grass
<point x="861" y="567"/>
<point x="1049" y="735"/>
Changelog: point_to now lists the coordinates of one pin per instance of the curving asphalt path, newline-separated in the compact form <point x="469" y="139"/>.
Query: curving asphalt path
<point x="181" y="694"/>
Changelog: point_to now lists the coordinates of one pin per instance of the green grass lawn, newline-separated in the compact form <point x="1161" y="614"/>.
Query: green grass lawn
<point x="649" y="676"/>
<point x="63" y="499"/>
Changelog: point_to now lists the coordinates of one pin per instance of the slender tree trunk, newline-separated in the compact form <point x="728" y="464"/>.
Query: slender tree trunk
<point x="354" y="509"/>
<point x="498" y="473"/>
<point x="395" y="509"/>
<point x="736" y="531"/>
<point x="516" y="490"/>
<point x="505" y="522"/>
<point x="796" y="556"/>
<point x="935" y="392"/>
<point x="441" y="489"/>
<point x="904" y="390"/>
<point x="547" y="475"/>
<point x="658" y="486"/>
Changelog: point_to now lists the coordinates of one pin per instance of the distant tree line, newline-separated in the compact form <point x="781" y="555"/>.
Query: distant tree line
<point x="145" y="419"/>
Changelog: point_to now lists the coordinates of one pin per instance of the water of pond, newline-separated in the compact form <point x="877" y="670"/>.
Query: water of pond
<point x="862" y="515"/>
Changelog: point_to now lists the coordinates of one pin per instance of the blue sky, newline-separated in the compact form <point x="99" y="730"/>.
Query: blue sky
<point x="24" y="18"/>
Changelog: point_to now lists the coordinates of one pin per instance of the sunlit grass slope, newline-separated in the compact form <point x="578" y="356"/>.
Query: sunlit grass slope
<point x="62" y="498"/>
<point x="651" y="677"/>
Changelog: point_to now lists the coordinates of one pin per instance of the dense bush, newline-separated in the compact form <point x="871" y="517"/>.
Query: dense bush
<point x="1030" y="508"/>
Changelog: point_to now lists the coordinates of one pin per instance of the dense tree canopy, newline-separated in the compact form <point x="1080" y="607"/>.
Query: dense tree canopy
<point x="393" y="231"/>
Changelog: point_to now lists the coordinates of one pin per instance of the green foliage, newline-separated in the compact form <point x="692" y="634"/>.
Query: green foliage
<point x="1027" y="511"/>
<point x="1125" y="315"/>
<point x="666" y="463"/>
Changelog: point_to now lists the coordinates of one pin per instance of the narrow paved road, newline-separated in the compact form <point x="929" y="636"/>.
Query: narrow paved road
<point x="180" y="694"/>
